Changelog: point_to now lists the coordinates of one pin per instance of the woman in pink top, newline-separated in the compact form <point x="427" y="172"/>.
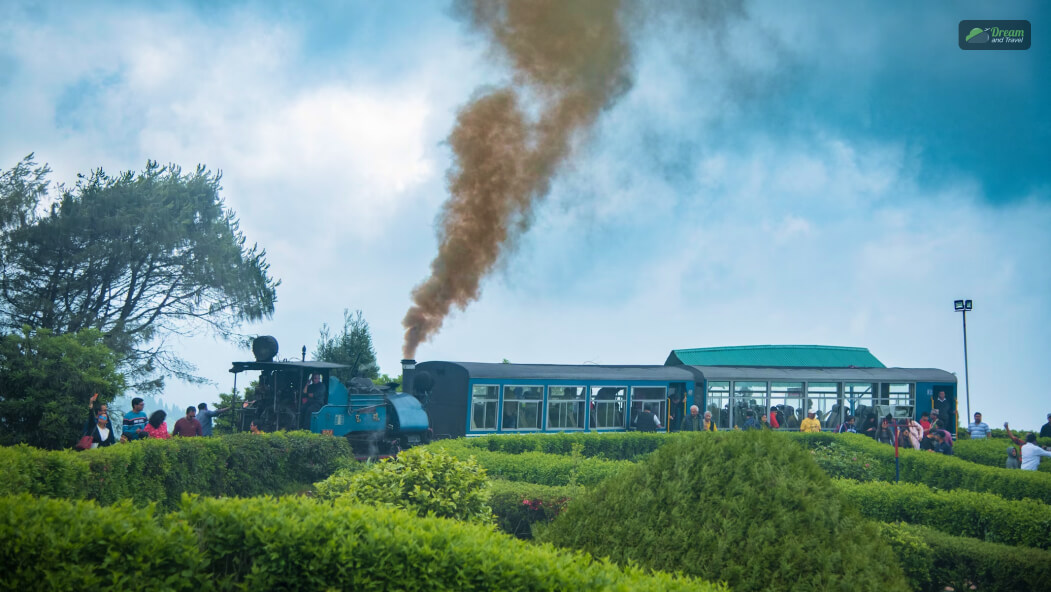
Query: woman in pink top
<point x="156" y="427"/>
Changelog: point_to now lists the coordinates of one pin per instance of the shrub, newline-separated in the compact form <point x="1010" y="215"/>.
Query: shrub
<point x="162" y="470"/>
<point x="611" y="446"/>
<point x="840" y="461"/>
<point x="940" y="471"/>
<point x="287" y="544"/>
<point x="425" y="482"/>
<point x="983" y="516"/>
<point x="518" y="505"/>
<point x="742" y="507"/>
<point x="535" y="467"/>
<point x="935" y="561"/>
<point x="991" y="452"/>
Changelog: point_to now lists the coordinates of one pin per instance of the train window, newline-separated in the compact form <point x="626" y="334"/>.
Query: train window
<point x="607" y="406"/>
<point x="522" y="407"/>
<point x="565" y="407"/>
<point x="786" y="397"/>
<point x="823" y="397"/>
<point x="859" y="398"/>
<point x="748" y="396"/>
<point x="484" y="401"/>
<point x="652" y="397"/>
<point x="719" y="403"/>
<point x="898" y="394"/>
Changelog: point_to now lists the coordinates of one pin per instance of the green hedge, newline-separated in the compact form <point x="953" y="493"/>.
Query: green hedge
<point x="288" y="544"/>
<point x="983" y="516"/>
<point x="162" y="470"/>
<point x="991" y="452"/>
<point x="934" y="561"/>
<point x="940" y="471"/>
<point x="518" y="505"/>
<point x="535" y="467"/>
<point x="610" y="446"/>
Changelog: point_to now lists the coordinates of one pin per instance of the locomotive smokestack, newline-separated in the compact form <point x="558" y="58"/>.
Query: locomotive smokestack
<point x="408" y="376"/>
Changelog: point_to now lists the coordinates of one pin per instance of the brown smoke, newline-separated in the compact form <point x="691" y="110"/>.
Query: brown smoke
<point x="571" y="57"/>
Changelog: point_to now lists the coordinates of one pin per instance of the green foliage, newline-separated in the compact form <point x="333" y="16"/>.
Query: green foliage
<point x="136" y="256"/>
<point x="841" y="461"/>
<point x="162" y="470"/>
<point x="983" y="516"/>
<point x="934" y="561"/>
<point x="991" y="452"/>
<point x="612" y="446"/>
<point x="428" y="483"/>
<point x="48" y="544"/>
<point x="747" y="508"/>
<point x="534" y="467"/>
<point x="518" y="505"/>
<point x="47" y="382"/>
<point x="287" y="544"/>
<point x="352" y="346"/>
<point x="940" y="471"/>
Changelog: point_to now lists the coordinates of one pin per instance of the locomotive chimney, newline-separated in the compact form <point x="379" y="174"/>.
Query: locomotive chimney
<point x="408" y="376"/>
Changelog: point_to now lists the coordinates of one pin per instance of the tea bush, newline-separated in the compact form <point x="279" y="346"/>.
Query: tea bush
<point x="287" y="544"/>
<point x="611" y="446"/>
<point x="162" y="470"/>
<point x="535" y="467"/>
<point x="518" y="505"/>
<point x="991" y="452"/>
<point x="841" y="461"/>
<point x="934" y="561"/>
<point x="747" y="508"/>
<point x="425" y="482"/>
<point x="937" y="470"/>
<point x="983" y="516"/>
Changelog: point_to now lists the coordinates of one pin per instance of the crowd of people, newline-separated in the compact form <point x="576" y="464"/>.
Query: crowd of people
<point x="932" y="432"/>
<point x="136" y="425"/>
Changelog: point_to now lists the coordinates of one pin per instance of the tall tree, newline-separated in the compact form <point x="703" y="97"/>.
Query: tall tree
<point x="47" y="381"/>
<point x="351" y="346"/>
<point x="140" y="257"/>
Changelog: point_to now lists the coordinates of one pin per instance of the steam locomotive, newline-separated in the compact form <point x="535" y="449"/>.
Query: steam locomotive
<point x="306" y="395"/>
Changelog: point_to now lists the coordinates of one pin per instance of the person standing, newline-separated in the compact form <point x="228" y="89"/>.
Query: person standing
<point x="1045" y="430"/>
<point x="885" y="433"/>
<point x="135" y="420"/>
<point x="102" y="434"/>
<point x="847" y="426"/>
<point x="709" y="425"/>
<point x="810" y="424"/>
<point x="205" y="415"/>
<point x="188" y="426"/>
<point x="156" y="427"/>
<point x="978" y="429"/>
<point x="693" y="421"/>
<point x="946" y="411"/>
<point x="1031" y="453"/>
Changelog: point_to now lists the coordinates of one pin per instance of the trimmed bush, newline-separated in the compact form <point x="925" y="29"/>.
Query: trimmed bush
<point x="747" y="508"/>
<point x="428" y="483"/>
<point x="611" y="446"/>
<point x="518" y="505"/>
<point x="288" y="544"/>
<point x="982" y="516"/>
<point x="162" y="470"/>
<point x="991" y="452"/>
<point x="535" y="467"/>
<point x="940" y="471"/>
<point x="934" y="561"/>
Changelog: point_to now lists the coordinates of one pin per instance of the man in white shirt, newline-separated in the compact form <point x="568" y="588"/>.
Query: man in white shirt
<point x="1031" y="454"/>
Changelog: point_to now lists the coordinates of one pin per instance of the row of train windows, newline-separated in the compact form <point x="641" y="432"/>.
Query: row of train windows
<point x="831" y="401"/>
<point x="566" y="409"/>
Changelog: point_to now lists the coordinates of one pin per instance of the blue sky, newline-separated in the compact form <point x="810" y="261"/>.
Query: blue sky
<point x="786" y="173"/>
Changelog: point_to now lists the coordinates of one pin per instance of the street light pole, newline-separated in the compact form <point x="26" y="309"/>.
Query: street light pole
<point x="964" y="306"/>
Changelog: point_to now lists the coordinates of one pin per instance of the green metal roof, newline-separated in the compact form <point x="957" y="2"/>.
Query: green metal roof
<point x="797" y="356"/>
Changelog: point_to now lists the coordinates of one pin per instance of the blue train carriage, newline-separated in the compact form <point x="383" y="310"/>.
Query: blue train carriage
<point x="730" y="392"/>
<point x="471" y="398"/>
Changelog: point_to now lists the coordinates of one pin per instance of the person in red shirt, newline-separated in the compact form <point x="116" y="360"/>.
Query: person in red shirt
<point x="925" y="422"/>
<point x="773" y="418"/>
<point x="188" y="426"/>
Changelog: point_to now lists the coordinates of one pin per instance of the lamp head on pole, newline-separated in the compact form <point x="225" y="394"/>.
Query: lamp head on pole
<point x="962" y="305"/>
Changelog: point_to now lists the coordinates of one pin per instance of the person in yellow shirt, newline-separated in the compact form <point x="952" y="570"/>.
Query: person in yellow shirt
<point x="810" y="424"/>
<point x="709" y="425"/>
